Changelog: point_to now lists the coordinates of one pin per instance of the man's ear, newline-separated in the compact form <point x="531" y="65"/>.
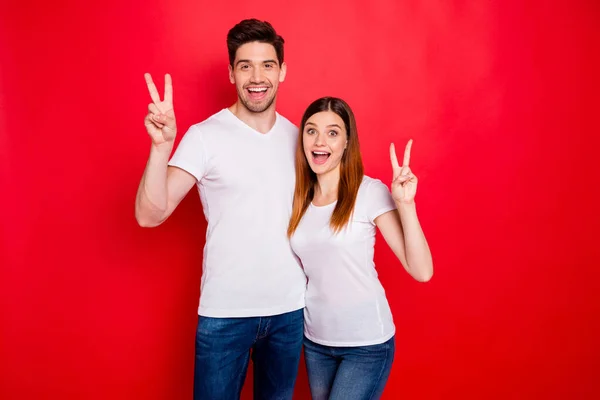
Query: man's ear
<point x="282" y="72"/>
<point x="231" y="78"/>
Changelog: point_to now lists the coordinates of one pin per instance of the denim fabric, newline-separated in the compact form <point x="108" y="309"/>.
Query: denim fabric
<point x="223" y="348"/>
<point x="348" y="373"/>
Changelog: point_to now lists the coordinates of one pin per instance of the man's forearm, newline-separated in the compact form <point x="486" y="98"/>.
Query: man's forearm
<point x="152" y="196"/>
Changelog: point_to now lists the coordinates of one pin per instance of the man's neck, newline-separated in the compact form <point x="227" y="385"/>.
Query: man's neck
<point x="261" y="122"/>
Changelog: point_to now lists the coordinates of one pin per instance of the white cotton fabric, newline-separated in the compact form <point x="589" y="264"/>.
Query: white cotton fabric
<point x="345" y="302"/>
<point x="246" y="186"/>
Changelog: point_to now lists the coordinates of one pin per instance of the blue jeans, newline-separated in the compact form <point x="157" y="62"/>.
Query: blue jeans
<point x="223" y="347"/>
<point x="348" y="373"/>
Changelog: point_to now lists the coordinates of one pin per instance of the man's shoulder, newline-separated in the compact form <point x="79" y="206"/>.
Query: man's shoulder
<point x="223" y="120"/>
<point x="215" y="120"/>
<point x="211" y="129"/>
<point x="286" y="124"/>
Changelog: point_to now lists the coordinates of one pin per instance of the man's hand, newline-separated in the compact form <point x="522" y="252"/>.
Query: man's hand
<point x="160" y="120"/>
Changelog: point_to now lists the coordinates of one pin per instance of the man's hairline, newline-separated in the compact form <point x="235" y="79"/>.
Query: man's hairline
<point x="279" y="64"/>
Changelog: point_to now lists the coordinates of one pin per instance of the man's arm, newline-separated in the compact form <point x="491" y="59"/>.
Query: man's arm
<point x="162" y="187"/>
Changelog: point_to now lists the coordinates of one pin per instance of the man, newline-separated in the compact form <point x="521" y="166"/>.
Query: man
<point x="242" y="161"/>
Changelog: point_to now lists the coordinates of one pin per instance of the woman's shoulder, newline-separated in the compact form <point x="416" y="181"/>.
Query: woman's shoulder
<point x="368" y="183"/>
<point x="370" y="189"/>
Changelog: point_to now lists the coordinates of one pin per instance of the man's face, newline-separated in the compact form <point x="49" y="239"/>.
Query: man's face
<point x="256" y="74"/>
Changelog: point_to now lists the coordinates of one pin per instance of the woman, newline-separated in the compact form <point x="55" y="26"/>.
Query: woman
<point x="349" y="330"/>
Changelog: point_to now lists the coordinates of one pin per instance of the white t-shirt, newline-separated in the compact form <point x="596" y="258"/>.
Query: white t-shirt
<point x="345" y="302"/>
<point x="246" y="184"/>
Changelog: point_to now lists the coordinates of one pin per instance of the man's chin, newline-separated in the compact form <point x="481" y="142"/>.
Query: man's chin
<point x="257" y="107"/>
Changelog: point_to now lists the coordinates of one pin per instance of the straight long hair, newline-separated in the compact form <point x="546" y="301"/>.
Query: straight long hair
<point x="351" y="168"/>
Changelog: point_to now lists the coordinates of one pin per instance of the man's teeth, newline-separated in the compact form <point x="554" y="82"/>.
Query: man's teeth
<point x="257" y="89"/>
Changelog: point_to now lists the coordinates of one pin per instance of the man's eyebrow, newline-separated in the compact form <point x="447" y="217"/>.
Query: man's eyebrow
<point x="250" y="62"/>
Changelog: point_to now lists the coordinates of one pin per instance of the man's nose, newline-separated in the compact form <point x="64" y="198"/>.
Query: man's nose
<point x="256" y="75"/>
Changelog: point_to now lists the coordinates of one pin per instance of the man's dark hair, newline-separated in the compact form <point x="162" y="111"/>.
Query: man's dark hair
<point x="253" y="30"/>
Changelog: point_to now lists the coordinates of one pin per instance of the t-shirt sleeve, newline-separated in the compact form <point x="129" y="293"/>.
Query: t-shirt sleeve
<point x="379" y="200"/>
<point x="190" y="155"/>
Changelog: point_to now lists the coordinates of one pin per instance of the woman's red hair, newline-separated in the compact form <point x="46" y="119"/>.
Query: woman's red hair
<point x="351" y="168"/>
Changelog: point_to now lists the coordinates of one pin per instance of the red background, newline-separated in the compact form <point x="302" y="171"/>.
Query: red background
<point x="500" y="98"/>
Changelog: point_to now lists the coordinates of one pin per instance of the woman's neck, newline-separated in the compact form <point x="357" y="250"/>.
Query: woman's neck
<point x="326" y="188"/>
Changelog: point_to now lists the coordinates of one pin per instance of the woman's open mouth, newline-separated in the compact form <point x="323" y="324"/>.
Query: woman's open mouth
<point x="320" y="157"/>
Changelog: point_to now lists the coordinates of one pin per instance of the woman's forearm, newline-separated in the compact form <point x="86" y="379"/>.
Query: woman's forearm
<point x="418" y="255"/>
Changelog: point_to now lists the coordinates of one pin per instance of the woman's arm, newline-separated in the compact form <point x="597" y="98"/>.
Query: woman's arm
<point x="402" y="230"/>
<point x="403" y="234"/>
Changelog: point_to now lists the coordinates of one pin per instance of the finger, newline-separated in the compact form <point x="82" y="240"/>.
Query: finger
<point x="158" y="124"/>
<point x="402" y="179"/>
<point x="156" y="115"/>
<point x="166" y="120"/>
<point x="405" y="171"/>
<point x="156" y="135"/>
<point x="393" y="157"/>
<point x="406" y="161"/>
<point x="152" y="88"/>
<point x="168" y="132"/>
<point x="162" y="120"/>
<point x="168" y="89"/>
<point x="151" y="120"/>
<point x="153" y="109"/>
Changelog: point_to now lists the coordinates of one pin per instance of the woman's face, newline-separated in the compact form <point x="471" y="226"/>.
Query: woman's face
<point x="324" y="139"/>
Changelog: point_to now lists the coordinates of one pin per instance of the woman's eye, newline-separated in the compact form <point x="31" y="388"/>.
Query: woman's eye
<point x="333" y="133"/>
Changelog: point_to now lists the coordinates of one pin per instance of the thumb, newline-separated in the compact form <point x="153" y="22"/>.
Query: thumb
<point x="166" y="120"/>
<point x="403" y="178"/>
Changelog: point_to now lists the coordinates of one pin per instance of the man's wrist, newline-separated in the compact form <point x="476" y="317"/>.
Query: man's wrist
<point x="162" y="150"/>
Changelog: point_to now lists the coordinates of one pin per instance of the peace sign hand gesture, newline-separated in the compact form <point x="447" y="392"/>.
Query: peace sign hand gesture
<point x="404" y="183"/>
<point x="160" y="120"/>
